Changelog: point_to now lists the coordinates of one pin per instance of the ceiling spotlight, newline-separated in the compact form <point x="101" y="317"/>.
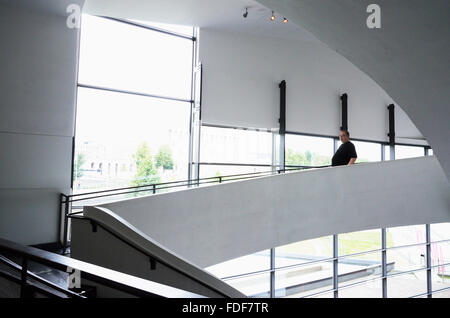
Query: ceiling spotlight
<point x="285" y="20"/>
<point x="246" y="13"/>
<point x="272" y="18"/>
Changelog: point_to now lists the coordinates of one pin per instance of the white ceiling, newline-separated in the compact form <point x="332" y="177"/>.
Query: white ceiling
<point x="223" y="14"/>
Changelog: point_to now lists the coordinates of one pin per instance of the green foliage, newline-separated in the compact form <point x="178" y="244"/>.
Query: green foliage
<point x="146" y="172"/>
<point x="79" y="162"/>
<point x="164" y="158"/>
<point x="305" y="159"/>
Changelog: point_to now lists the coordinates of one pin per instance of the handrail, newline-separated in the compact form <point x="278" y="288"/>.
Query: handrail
<point x="17" y="267"/>
<point x="66" y="200"/>
<point x="151" y="256"/>
<point x="126" y="283"/>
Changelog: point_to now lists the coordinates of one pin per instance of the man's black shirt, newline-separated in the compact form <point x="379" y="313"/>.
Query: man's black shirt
<point x="343" y="155"/>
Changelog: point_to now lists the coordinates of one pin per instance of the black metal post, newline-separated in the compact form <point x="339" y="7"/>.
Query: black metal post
<point x="66" y="223"/>
<point x="282" y="121"/>
<point x="24" y="274"/>
<point x="344" y="105"/>
<point x="391" y="134"/>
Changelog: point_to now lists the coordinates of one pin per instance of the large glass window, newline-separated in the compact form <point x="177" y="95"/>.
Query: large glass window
<point x="121" y="56"/>
<point x="223" y="146"/>
<point x="404" y="152"/>
<point x="308" y="151"/>
<point x="124" y="138"/>
<point x="367" y="151"/>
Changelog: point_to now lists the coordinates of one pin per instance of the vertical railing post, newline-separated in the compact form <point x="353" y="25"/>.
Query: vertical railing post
<point x="272" y="273"/>
<point x="428" y="238"/>
<point x="344" y="112"/>
<point x="282" y="122"/>
<point x="154" y="188"/>
<point x="391" y="134"/>
<point x="66" y="222"/>
<point x="24" y="274"/>
<point x="335" y="265"/>
<point x="220" y="179"/>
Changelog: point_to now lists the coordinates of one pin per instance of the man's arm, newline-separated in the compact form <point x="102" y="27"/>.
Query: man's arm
<point x="352" y="161"/>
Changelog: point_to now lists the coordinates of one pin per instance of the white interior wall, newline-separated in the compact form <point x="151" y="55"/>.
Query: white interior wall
<point x="38" y="62"/>
<point x="240" y="88"/>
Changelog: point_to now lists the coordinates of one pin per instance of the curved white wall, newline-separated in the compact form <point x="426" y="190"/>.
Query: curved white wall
<point x="240" y="88"/>
<point x="212" y="224"/>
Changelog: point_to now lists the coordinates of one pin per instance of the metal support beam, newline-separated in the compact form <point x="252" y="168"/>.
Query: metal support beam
<point x="335" y="265"/>
<point x="429" y="283"/>
<point x="344" y="104"/>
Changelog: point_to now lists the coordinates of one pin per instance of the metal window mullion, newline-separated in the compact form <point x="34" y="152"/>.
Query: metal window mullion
<point x="383" y="263"/>
<point x="335" y="266"/>
<point x="272" y="273"/>
<point x="428" y="254"/>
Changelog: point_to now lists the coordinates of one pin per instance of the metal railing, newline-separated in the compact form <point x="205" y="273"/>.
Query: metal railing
<point x="66" y="201"/>
<point x="93" y="273"/>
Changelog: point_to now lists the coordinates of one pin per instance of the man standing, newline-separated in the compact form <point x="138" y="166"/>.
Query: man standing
<point x="346" y="154"/>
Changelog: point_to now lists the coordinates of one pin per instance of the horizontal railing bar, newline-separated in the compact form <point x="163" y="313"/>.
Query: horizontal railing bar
<point x="320" y="293"/>
<point x="166" y="183"/>
<point x="193" y="182"/>
<point x="122" y="91"/>
<point x="431" y="293"/>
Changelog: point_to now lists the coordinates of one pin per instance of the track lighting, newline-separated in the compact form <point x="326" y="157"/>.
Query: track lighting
<point x="272" y="18"/>
<point x="285" y="20"/>
<point x="246" y="13"/>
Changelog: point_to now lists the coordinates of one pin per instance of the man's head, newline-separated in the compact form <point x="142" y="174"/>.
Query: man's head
<point x="344" y="135"/>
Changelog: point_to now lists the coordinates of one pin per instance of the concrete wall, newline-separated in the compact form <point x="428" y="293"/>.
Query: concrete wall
<point x="212" y="224"/>
<point x="38" y="62"/>
<point x="241" y="76"/>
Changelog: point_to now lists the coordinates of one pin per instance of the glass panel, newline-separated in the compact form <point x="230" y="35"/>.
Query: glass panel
<point x="440" y="256"/>
<point x="440" y="231"/>
<point x="406" y="259"/>
<point x="252" y="286"/>
<point x="304" y="280"/>
<point x="308" y="151"/>
<point x="407" y="285"/>
<point x="362" y="241"/>
<point x="405" y="235"/>
<point x="126" y="140"/>
<point x="242" y="265"/>
<point x="430" y="152"/>
<point x="403" y="152"/>
<point x="367" y="151"/>
<point x="121" y="56"/>
<point x="358" y="269"/>
<point x="369" y="289"/>
<point x="226" y="145"/>
<point x="304" y="251"/>
<point x="207" y="171"/>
